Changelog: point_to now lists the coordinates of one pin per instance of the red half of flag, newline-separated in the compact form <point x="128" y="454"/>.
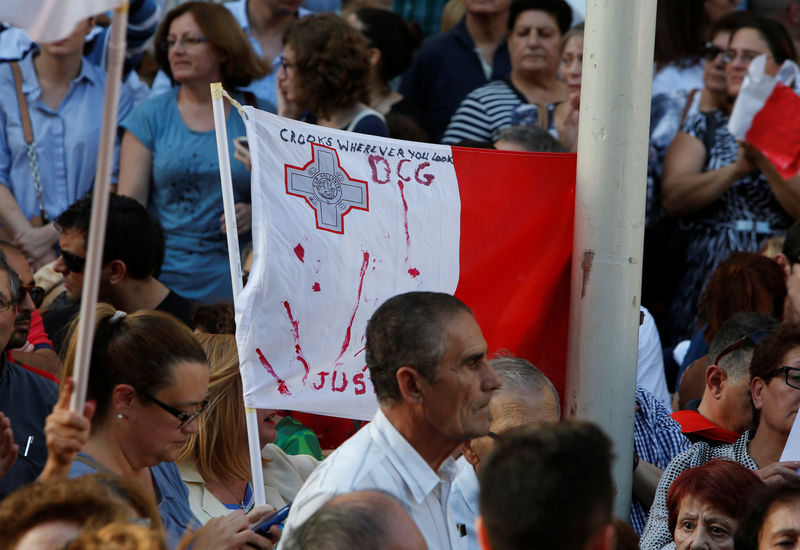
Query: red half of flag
<point x="775" y="130"/>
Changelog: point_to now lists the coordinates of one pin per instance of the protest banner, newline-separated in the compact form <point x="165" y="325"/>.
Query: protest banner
<point x="344" y="221"/>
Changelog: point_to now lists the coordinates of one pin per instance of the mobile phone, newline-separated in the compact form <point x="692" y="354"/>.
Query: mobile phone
<point x="242" y="140"/>
<point x="262" y="527"/>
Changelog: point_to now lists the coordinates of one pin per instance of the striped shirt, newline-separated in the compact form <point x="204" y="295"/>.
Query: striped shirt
<point x="379" y="458"/>
<point x="483" y="113"/>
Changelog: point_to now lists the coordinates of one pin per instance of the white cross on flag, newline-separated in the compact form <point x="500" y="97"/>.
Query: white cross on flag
<point x="344" y="221"/>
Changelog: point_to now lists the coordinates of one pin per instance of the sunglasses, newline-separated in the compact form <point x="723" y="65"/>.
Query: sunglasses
<point x="35" y="292"/>
<point x="712" y="51"/>
<point x="183" y="416"/>
<point x="751" y="338"/>
<point x="74" y="263"/>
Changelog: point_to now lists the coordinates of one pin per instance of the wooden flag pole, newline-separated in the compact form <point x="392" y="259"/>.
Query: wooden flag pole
<point x="97" y="222"/>
<point x="254" y="444"/>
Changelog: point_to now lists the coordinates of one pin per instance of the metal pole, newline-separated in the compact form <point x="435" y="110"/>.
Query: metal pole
<point x="609" y="224"/>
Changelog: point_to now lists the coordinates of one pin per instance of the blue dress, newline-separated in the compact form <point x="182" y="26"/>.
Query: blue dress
<point x="744" y="217"/>
<point x="185" y="196"/>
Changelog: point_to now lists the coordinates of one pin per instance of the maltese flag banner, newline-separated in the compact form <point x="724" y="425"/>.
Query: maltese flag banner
<point x="344" y="221"/>
<point x="767" y="115"/>
<point x="52" y="20"/>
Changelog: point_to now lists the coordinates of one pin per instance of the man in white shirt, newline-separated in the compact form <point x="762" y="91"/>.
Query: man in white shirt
<point x="526" y="397"/>
<point x="427" y="360"/>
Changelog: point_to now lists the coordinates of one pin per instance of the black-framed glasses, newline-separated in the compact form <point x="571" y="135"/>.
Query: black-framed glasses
<point x="747" y="56"/>
<point x="183" y="416"/>
<point x="185" y="41"/>
<point x="711" y="51"/>
<point x="73" y="263"/>
<point x="493" y="436"/>
<point x="5" y="304"/>
<point x="791" y="376"/>
<point x="36" y="293"/>
<point x="751" y="338"/>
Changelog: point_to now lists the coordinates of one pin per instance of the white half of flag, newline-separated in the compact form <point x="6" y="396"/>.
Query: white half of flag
<point x="341" y="222"/>
<point x="52" y="20"/>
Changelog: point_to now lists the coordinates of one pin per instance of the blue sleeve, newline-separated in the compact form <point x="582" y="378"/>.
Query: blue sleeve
<point x="372" y="125"/>
<point x="142" y="122"/>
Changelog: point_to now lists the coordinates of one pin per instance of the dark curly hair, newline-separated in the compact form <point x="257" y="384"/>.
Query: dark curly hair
<point x="241" y="66"/>
<point x="331" y="62"/>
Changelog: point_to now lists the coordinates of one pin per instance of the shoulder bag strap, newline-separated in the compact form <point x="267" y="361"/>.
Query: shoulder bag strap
<point x="27" y="132"/>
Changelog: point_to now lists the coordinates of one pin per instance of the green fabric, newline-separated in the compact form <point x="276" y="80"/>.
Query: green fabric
<point x="296" y="439"/>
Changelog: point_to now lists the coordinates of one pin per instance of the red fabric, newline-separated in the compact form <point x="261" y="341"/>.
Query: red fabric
<point x="40" y="372"/>
<point x="516" y="243"/>
<point x="692" y="422"/>
<point x="36" y="333"/>
<point x="775" y="130"/>
<point x="330" y="431"/>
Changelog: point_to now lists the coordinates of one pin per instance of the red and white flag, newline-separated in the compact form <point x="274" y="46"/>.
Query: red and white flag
<point x="52" y="20"/>
<point x="344" y="221"/>
<point x="767" y="115"/>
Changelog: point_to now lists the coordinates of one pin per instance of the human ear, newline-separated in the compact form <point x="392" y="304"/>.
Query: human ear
<point x="715" y="379"/>
<point x="409" y="385"/>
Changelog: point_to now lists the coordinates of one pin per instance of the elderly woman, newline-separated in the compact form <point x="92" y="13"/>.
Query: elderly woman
<point x="325" y="76"/>
<point x="168" y="159"/>
<point x="729" y="195"/>
<point x="772" y="519"/>
<point x="706" y="503"/>
<point x="775" y="391"/>
<point x="215" y="464"/>
<point x="149" y="380"/>
<point x="535" y="28"/>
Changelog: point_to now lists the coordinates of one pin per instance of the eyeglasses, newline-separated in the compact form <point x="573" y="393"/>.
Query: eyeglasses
<point x="712" y="51"/>
<point x="286" y="65"/>
<point x="745" y="55"/>
<point x="5" y="304"/>
<point x="74" y="263"/>
<point x="493" y="436"/>
<point x="751" y="338"/>
<point x="791" y="375"/>
<point x="36" y="293"/>
<point x="185" y="41"/>
<point x="183" y="416"/>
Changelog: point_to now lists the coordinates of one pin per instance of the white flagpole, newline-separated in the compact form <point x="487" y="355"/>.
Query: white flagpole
<point x="609" y="224"/>
<point x="236" y="273"/>
<point x="97" y="222"/>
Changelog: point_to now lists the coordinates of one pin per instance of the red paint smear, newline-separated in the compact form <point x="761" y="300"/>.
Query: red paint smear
<point x="414" y="272"/>
<point x="315" y="287"/>
<point x="359" y="351"/>
<point x="405" y="215"/>
<point x="296" y="336"/>
<point x="346" y="342"/>
<point x="300" y="252"/>
<point x="317" y="266"/>
<point x="281" y="384"/>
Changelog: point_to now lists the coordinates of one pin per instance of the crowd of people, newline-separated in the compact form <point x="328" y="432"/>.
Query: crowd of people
<point x="469" y="447"/>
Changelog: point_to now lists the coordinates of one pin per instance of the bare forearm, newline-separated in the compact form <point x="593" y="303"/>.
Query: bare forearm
<point x="10" y="213"/>
<point x="645" y="482"/>
<point x="689" y="193"/>
<point x="786" y="191"/>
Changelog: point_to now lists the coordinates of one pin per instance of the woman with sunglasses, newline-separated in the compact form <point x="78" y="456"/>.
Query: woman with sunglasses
<point x="728" y="195"/>
<point x="775" y="392"/>
<point x="168" y="157"/>
<point x="148" y="380"/>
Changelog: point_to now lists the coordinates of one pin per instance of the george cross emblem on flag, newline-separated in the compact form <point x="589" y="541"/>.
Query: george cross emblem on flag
<point x="327" y="188"/>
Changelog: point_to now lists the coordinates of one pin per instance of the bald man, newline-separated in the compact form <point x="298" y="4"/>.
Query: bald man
<point x="361" y="519"/>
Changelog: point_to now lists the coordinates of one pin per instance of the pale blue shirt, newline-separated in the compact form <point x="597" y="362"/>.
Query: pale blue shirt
<point x="464" y="500"/>
<point x="379" y="458"/>
<point x="265" y="88"/>
<point x="65" y="139"/>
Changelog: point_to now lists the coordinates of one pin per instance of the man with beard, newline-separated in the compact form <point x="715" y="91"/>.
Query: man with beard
<point x="29" y="345"/>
